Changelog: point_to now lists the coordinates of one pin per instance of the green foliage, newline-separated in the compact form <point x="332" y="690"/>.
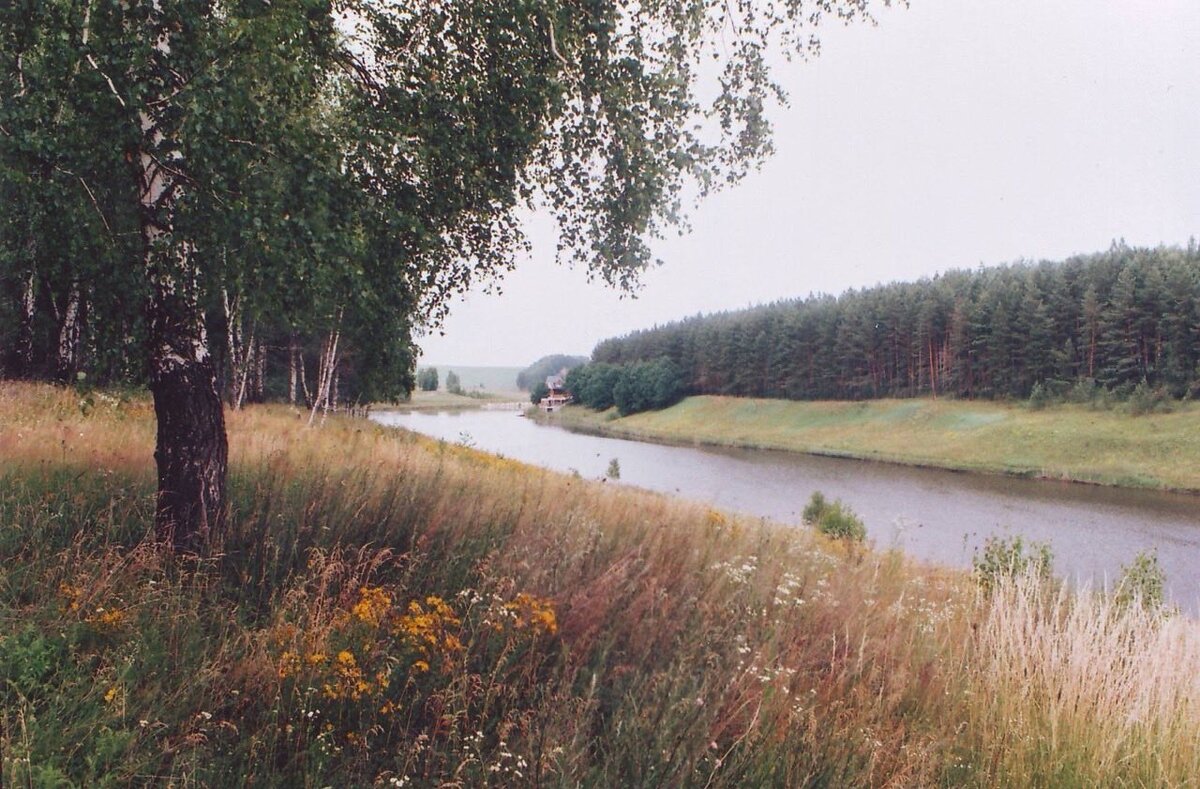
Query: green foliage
<point x="614" y="469"/>
<point x="427" y="379"/>
<point x="1108" y="320"/>
<point x="453" y="384"/>
<point x="834" y="519"/>
<point x="547" y="366"/>
<point x="816" y="507"/>
<point x="320" y="190"/>
<point x="539" y="391"/>
<point x="593" y="384"/>
<point x="1143" y="582"/>
<point x="1009" y="557"/>
<point x="633" y="388"/>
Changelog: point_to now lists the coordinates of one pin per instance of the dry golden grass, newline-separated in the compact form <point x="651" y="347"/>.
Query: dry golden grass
<point x="687" y="646"/>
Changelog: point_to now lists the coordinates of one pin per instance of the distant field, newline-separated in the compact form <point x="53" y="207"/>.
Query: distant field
<point x="499" y="380"/>
<point x="1063" y="442"/>
<point x="441" y="399"/>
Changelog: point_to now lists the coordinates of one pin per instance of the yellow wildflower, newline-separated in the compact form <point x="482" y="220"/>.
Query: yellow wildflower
<point x="537" y="614"/>
<point x="372" y="606"/>
<point x="73" y="594"/>
<point x="111" y="619"/>
<point x="289" y="664"/>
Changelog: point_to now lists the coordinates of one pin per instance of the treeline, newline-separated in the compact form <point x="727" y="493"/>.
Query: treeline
<point x="539" y="371"/>
<point x="634" y="387"/>
<point x="1117" y="320"/>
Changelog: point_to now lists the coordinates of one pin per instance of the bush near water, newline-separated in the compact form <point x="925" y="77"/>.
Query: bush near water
<point x="393" y="611"/>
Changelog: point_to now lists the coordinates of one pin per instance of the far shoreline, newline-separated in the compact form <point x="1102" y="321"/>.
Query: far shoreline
<point x="1064" y="443"/>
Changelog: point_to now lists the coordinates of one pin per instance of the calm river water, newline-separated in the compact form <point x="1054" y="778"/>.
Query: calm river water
<point x="939" y="516"/>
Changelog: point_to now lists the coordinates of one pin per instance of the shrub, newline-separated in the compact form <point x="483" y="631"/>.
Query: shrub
<point x="840" y="522"/>
<point x="1083" y="391"/>
<point x="1147" y="400"/>
<point x="1004" y="557"/>
<point x="1039" y="398"/>
<point x="815" y="508"/>
<point x="1142" y="581"/>
<point x="834" y="520"/>
<point x="614" y="469"/>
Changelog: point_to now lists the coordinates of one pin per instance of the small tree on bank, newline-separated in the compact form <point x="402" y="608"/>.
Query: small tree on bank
<point x="427" y="379"/>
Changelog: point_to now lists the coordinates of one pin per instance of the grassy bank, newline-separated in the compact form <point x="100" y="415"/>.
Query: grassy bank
<point x="1062" y="442"/>
<point x="392" y="611"/>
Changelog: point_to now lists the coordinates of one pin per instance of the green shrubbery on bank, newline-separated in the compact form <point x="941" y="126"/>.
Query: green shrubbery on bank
<point x="632" y="388"/>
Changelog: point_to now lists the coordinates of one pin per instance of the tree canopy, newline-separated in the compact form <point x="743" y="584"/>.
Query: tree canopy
<point x="238" y="180"/>
<point x="546" y="366"/>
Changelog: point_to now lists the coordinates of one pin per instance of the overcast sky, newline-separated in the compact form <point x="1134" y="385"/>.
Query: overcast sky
<point x="953" y="134"/>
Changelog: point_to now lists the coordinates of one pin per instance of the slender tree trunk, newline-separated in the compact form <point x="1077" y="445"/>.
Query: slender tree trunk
<point x="293" y="354"/>
<point x="932" y="369"/>
<point x="67" y="361"/>
<point x="258" y="390"/>
<point x="303" y="378"/>
<point x="192" y="449"/>
<point x="325" y="371"/>
<point x="241" y="353"/>
<point x="22" y="357"/>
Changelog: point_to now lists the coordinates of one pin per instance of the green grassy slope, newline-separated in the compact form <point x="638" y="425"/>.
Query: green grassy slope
<point x="1067" y="441"/>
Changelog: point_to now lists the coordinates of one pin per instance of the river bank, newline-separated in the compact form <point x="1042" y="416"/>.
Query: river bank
<point x="1063" y="442"/>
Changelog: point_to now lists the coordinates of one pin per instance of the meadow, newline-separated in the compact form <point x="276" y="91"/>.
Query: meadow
<point x="442" y="400"/>
<point x="1078" y="442"/>
<point x="391" y="611"/>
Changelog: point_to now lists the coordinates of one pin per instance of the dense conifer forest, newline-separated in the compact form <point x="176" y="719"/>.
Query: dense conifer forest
<point x="1114" y="320"/>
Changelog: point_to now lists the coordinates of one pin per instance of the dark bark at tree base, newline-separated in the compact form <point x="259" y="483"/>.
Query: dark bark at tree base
<point x="192" y="454"/>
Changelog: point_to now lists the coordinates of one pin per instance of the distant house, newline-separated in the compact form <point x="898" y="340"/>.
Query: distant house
<point x="558" y="396"/>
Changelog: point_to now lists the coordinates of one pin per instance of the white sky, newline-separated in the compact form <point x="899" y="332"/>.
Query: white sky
<point x="955" y="133"/>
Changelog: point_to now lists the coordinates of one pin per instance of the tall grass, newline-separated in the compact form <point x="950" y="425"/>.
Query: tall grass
<point x="390" y="610"/>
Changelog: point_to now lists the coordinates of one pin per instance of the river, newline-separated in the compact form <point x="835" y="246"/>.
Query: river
<point x="933" y="515"/>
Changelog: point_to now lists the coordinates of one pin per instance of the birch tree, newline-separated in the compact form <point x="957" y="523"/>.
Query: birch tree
<point x="345" y="166"/>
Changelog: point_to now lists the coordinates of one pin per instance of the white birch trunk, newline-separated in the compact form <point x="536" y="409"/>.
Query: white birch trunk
<point x="293" y="353"/>
<point x="191" y="448"/>
<point x="67" y="359"/>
